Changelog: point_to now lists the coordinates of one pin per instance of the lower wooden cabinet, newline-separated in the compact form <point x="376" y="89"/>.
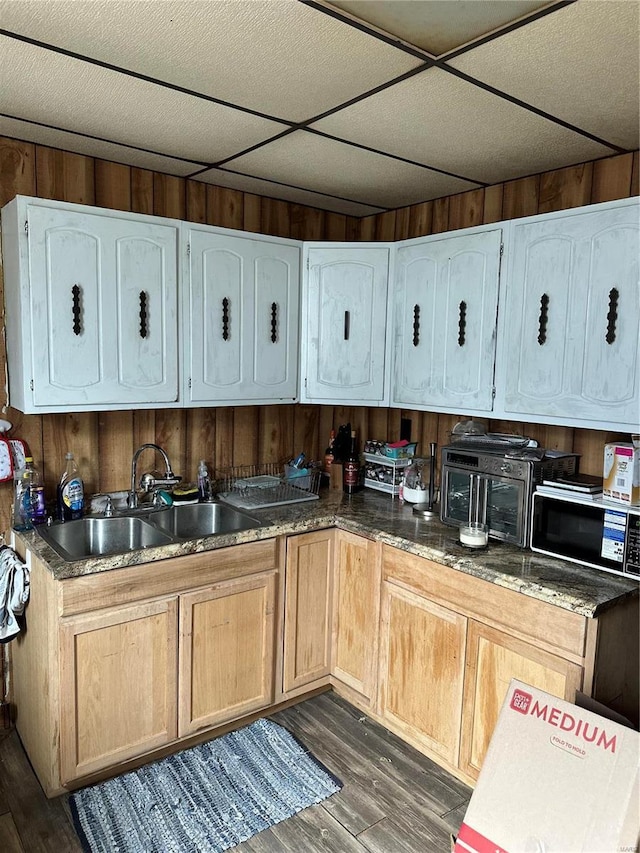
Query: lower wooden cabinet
<point x="226" y="651"/>
<point x="307" y="616"/>
<point x="450" y="644"/>
<point x="422" y="648"/>
<point x="356" y="610"/>
<point x="493" y="659"/>
<point x="118" y="685"/>
<point x="117" y="664"/>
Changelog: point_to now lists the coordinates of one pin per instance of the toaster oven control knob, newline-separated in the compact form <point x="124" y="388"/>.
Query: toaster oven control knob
<point x="506" y="467"/>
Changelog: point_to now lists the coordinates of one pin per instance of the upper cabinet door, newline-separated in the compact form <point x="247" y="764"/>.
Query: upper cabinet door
<point x="570" y="340"/>
<point x="345" y="339"/>
<point x="93" y="298"/>
<point x="241" y="327"/>
<point x="445" y="304"/>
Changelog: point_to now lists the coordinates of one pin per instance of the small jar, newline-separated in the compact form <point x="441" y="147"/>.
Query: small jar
<point x="415" y="482"/>
<point x="474" y="534"/>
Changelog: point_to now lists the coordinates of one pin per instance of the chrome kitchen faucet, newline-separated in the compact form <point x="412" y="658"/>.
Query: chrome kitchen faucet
<point x="148" y="482"/>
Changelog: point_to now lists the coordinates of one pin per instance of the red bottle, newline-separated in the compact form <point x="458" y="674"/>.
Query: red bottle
<point x="351" y="469"/>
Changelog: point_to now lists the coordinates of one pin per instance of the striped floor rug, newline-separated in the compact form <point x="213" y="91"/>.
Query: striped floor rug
<point x="206" y="799"/>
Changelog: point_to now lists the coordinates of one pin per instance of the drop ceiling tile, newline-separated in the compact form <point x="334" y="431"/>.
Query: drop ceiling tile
<point x="439" y="25"/>
<point x="580" y="63"/>
<point x="224" y="178"/>
<point x="279" y="57"/>
<point x="314" y="162"/>
<point x="52" y="138"/>
<point x="38" y="85"/>
<point x="442" y="121"/>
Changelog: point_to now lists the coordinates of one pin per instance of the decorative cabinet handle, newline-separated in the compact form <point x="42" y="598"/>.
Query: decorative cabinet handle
<point x="462" y="323"/>
<point x="143" y="315"/>
<point x="76" y="309"/>
<point x="543" y="319"/>
<point x="612" y="316"/>
<point x="347" y="324"/>
<point x="416" y="325"/>
<point x="225" y="319"/>
<point x="274" y="322"/>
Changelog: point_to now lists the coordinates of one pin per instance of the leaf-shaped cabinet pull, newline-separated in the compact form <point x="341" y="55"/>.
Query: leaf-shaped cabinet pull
<point x="416" y="325"/>
<point x="144" y="318"/>
<point x="225" y="319"/>
<point x="274" y="322"/>
<point x="76" y="309"/>
<point x="543" y="319"/>
<point x="612" y="315"/>
<point x="462" y="323"/>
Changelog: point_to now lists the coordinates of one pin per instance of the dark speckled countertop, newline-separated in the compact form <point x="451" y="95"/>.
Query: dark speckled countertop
<point x="376" y="516"/>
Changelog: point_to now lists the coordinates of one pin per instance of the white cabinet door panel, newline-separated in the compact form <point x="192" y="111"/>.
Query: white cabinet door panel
<point x="103" y="296"/>
<point x="147" y="355"/>
<point x="273" y="360"/>
<point x="241" y="329"/>
<point x="612" y="328"/>
<point x="543" y="356"/>
<point x="346" y="324"/>
<point x="446" y="295"/>
<point x="570" y="340"/>
<point x="218" y="315"/>
<point x="67" y="265"/>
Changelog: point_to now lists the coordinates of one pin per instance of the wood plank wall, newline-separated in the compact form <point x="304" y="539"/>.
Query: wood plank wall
<point x="104" y="442"/>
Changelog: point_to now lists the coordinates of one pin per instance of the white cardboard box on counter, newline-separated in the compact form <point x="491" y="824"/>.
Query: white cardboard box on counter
<point x="557" y="778"/>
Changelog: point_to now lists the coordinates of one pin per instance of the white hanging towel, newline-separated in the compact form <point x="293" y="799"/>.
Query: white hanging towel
<point x="14" y="591"/>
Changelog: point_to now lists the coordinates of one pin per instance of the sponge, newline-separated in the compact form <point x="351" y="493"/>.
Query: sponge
<point x="185" y="493"/>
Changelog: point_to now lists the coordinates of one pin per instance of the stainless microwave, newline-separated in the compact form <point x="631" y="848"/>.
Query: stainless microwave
<point x="592" y="532"/>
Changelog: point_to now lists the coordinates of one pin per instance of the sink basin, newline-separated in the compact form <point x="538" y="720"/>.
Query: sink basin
<point x="194" y="521"/>
<point x="98" y="537"/>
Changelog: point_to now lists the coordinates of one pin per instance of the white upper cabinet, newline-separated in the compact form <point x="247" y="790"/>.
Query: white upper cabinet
<point x="345" y="312"/>
<point x="570" y="323"/>
<point x="91" y="307"/>
<point x="445" y="304"/>
<point x="241" y="318"/>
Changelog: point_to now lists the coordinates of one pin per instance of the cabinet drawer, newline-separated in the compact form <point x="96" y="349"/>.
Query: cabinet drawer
<point x="165" y="577"/>
<point x="551" y="627"/>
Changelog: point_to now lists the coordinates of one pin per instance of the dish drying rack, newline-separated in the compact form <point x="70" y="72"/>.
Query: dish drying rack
<point x="269" y="484"/>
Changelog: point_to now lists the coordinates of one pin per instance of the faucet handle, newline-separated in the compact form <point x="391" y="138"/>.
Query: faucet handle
<point x="151" y="481"/>
<point x="108" y="511"/>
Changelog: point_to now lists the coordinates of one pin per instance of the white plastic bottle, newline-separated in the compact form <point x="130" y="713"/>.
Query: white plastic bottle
<point x="28" y="497"/>
<point x="204" y="482"/>
<point x="70" y="492"/>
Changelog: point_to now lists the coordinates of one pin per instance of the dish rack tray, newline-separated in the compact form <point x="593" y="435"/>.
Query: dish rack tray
<point x="270" y="484"/>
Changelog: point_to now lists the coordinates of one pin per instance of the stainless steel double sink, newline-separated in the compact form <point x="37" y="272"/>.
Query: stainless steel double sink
<point x="101" y="536"/>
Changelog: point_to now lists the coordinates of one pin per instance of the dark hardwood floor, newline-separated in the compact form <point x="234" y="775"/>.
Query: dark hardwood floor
<point x="394" y="800"/>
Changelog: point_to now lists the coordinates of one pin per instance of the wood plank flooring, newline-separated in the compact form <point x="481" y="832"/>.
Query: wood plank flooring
<point x="394" y="800"/>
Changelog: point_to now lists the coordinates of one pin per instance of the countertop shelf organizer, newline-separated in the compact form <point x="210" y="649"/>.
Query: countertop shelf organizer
<point x="270" y="484"/>
<point x="384" y="465"/>
<point x="383" y="474"/>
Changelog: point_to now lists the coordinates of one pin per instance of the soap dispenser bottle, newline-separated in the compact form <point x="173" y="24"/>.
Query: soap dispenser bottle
<point x="70" y="492"/>
<point x="204" y="482"/>
<point x="28" y="497"/>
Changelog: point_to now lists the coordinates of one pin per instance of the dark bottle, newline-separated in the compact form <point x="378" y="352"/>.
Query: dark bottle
<point x="351" y="468"/>
<point x="328" y="454"/>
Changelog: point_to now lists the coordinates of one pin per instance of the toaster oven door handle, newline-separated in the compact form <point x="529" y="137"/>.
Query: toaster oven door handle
<point x="477" y="498"/>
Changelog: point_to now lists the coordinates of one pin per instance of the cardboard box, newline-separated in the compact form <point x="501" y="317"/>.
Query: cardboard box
<point x="621" y="473"/>
<point x="557" y="778"/>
